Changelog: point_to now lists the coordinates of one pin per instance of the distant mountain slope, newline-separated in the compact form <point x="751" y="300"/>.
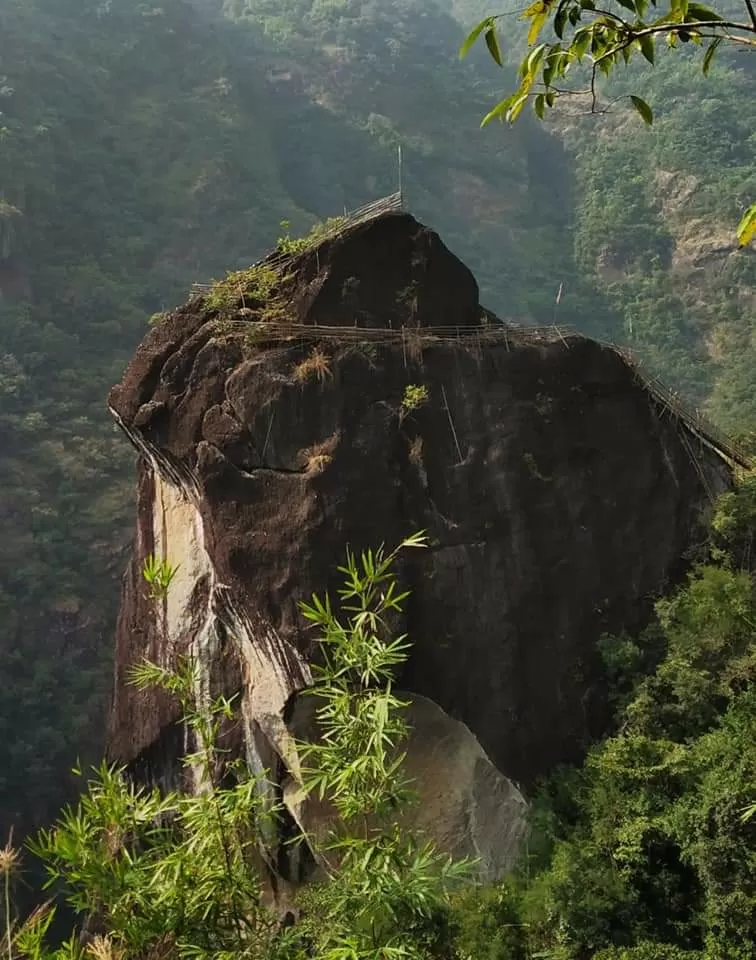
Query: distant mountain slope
<point x="655" y="228"/>
<point x="655" y="212"/>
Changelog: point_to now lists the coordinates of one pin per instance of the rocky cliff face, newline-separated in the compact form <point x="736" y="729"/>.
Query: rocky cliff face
<point x="276" y="427"/>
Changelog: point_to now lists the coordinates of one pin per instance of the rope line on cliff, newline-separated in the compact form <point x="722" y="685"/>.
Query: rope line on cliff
<point x="490" y="331"/>
<point x="479" y="336"/>
<point x="496" y="332"/>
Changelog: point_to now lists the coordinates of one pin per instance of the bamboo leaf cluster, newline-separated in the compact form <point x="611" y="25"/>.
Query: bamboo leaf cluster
<point x="185" y="873"/>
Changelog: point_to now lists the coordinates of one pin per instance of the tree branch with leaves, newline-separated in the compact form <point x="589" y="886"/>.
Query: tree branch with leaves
<point x="602" y="37"/>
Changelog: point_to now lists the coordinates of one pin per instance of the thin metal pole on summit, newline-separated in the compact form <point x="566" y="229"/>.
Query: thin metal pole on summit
<point x="399" y="167"/>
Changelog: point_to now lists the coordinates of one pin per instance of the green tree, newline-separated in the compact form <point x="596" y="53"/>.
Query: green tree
<point x="602" y="37"/>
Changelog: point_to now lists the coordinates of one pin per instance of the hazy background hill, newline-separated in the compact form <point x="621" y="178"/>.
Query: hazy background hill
<point x="147" y="145"/>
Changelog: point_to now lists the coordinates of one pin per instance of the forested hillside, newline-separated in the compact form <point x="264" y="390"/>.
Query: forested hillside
<point x="146" y="146"/>
<point x="655" y="228"/>
<point x="656" y="207"/>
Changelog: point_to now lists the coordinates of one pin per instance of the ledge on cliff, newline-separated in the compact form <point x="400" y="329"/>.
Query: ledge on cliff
<point x="559" y="491"/>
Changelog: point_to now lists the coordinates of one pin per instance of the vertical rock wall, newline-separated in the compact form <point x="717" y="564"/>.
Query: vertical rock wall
<point x="558" y="495"/>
